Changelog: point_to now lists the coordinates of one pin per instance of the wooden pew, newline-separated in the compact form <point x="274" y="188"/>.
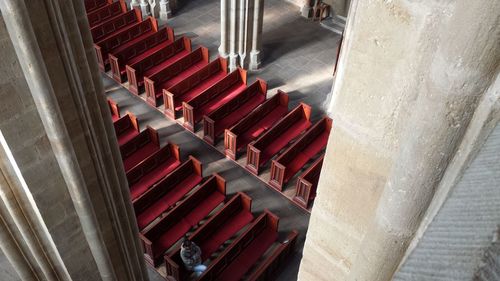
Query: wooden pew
<point x="285" y="166"/>
<point x="118" y="23"/>
<point x="213" y="97"/>
<point x="181" y="218"/>
<point x="268" y="269"/>
<point x="305" y="189"/>
<point x="223" y="225"/>
<point x="174" y="73"/>
<point x="126" y="128"/>
<point x="155" y="61"/>
<point x="139" y="148"/>
<point x="106" y="13"/>
<point x="254" y="124"/>
<point x="167" y="192"/>
<point x="138" y="51"/>
<point x="271" y="142"/>
<point x="244" y="251"/>
<point x="193" y="85"/>
<point x="114" y="109"/>
<point x="92" y="5"/>
<point x="231" y="112"/>
<point x="153" y="169"/>
<point x="123" y="39"/>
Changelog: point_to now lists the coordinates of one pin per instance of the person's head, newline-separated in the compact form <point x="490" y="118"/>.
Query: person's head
<point x="186" y="242"/>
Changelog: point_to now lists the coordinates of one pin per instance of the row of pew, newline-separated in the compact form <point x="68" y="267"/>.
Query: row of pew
<point x="150" y="59"/>
<point x="172" y="199"/>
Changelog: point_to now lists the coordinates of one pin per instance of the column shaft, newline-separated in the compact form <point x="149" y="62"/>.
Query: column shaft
<point x="223" y="52"/>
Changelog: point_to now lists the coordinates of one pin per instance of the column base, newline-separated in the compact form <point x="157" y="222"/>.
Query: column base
<point x="233" y="62"/>
<point x="223" y="52"/>
<point x="165" y="11"/>
<point x="145" y="10"/>
<point x="134" y="5"/>
<point x="255" y="60"/>
<point x="305" y="11"/>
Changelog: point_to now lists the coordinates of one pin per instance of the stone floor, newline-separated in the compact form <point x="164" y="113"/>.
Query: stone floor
<point x="298" y="58"/>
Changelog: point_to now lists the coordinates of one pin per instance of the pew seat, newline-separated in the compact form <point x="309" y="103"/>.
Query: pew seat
<point x="126" y="128"/>
<point x="169" y="229"/>
<point x="313" y="141"/>
<point x="167" y="192"/>
<point x="233" y="110"/>
<point x="271" y="142"/>
<point x="153" y="169"/>
<point x="254" y="124"/>
<point x="139" y="148"/>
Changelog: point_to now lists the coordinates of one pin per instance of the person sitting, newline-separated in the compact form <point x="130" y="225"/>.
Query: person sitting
<point x="191" y="256"/>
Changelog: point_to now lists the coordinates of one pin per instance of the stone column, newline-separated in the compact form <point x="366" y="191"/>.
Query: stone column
<point x="404" y="96"/>
<point x="233" y="56"/>
<point x="145" y="9"/>
<point x="134" y="4"/>
<point x="74" y="219"/>
<point x="258" y="19"/>
<point x="224" y="11"/>
<point x="165" y="12"/>
<point x="306" y="8"/>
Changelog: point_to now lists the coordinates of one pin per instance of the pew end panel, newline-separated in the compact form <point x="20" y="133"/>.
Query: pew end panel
<point x="114" y="109"/>
<point x="132" y="81"/>
<point x="277" y="175"/>
<point x="305" y="189"/>
<point x="253" y="159"/>
<point x="147" y="247"/>
<point x="188" y="114"/>
<point x="230" y="144"/>
<point x="168" y="102"/>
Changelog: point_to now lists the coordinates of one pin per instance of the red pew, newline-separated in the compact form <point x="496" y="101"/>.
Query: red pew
<point x="118" y="23"/>
<point x="156" y="61"/>
<point x="182" y="217"/>
<point x="167" y="192"/>
<point x="115" y="110"/>
<point x="231" y="112"/>
<point x="126" y="128"/>
<point x="123" y="39"/>
<point x="271" y="142"/>
<point x="106" y="13"/>
<point x="267" y="269"/>
<point x="91" y="5"/>
<point x="174" y="73"/>
<point x="305" y="189"/>
<point x="213" y="97"/>
<point x="138" y="51"/>
<point x="254" y="124"/>
<point x="139" y="148"/>
<point x="193" y="85"/>
<point x="296" y="156"/>
<point x="244" y="251"/>
<point x="223" y="225"/>
<point x="152" y="169"/>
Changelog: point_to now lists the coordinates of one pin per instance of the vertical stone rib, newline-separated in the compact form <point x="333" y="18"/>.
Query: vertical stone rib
<point x="30" y="58"/>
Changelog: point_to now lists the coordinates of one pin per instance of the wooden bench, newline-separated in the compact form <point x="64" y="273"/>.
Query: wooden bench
<point x="164" y="194"/>
<point x="182" y="218"/>
<point x="223" y="225"/>
<point x="244" y="251"/>
<point x="114" y="109"/>
<point x="138" y="51"/>
<point x="267" y="270"/>
<point x="193" y="85"/>
<point x="110" y="27"/>
<point x="285" y="166"/>
<point x="153" y="169"/>
<point x="271" y="142"/>
<point x="305" y="189"/>
<point x="174" y="73"/>
<point x="155" y="61"/>
<point x="126" y="128"/>
<point x="233" y="110"/>
<point x="92" y="5"/>
<point x="123" y="39"/>
<point x="213" y="97"/>
<point x="254" y="124"/>
<point x="106" y="13"/>
<point x="139" y="148"/>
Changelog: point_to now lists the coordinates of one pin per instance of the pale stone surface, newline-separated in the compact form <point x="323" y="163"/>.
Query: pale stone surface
<point x="410" y="85"/>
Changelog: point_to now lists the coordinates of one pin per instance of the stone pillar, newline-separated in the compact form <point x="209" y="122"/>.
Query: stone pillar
<point x="255" y="57"/>
<point x="306" y="9"/>
<point x="65" y="196"/>
<point x="134" y="4"/>
<point x="241" y="38"/>
<point x="224" y="13"/>
<point x="165" y="12"/>
<point x="404" y="96"/>
<point x="145" y="9"/>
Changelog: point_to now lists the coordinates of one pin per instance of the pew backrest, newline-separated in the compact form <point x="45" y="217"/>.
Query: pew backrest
<point x="103" y="30"/>
<point x="107" y="12"/>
